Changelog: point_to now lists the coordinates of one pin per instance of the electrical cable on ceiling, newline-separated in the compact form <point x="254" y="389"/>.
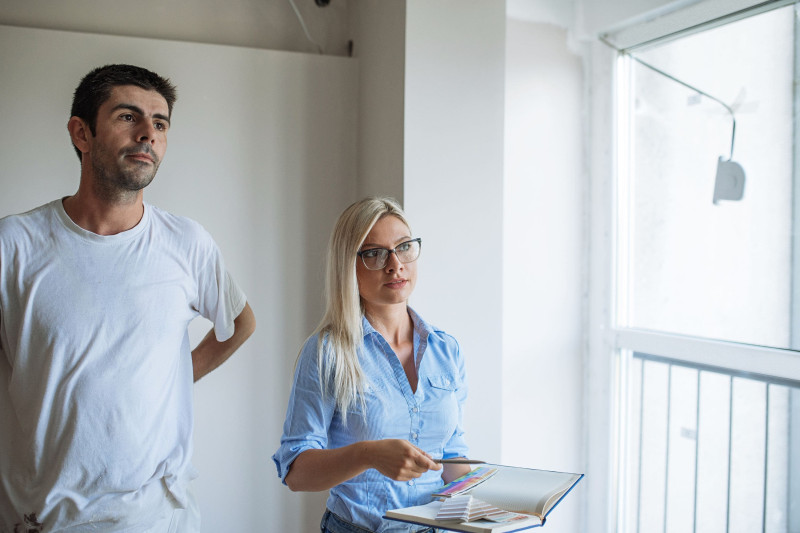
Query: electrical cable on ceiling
<point x="303" y="24"/>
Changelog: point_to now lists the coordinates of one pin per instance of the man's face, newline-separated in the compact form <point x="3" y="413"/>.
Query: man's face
<point x="130" y="139"/>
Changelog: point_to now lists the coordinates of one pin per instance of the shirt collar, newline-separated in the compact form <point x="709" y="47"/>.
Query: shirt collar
<point x="421" y="328"/>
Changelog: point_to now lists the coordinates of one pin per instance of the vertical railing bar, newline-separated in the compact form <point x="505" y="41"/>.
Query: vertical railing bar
<point x="641" y="438"/>
<point x="696" y="453"/>
<point x="789" y="438"/>
<point x="766" y="463"/>
<point x="666" y="458"/>
<point x="730" y="449"/>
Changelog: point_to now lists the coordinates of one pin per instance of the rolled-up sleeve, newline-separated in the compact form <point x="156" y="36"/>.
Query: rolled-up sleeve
<point x="308" y="414"/>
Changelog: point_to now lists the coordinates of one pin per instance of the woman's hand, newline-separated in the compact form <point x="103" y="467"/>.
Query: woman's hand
<point x="454" y="471"/>
<point x="315" y="470"/>
<point x="399" y="459"/>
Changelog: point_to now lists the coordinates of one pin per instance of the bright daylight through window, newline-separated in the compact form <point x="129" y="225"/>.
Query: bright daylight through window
<point x="707" y="447"/>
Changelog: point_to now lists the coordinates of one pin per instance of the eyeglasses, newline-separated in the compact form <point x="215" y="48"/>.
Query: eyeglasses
<point x="376" y="258"/>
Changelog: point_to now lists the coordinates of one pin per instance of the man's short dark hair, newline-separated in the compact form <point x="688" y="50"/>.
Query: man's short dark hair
<point x="95" y="88"/>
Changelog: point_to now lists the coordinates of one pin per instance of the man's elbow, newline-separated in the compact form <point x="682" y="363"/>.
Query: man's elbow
<point x="245" y="323"/>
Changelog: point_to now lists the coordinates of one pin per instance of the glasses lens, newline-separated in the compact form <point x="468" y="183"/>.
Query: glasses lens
<point x="408" y="251"/>
<point x="375" y="259"/>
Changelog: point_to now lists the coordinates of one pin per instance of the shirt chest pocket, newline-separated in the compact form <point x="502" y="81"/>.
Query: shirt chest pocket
<point x="440" y="407"/>
<point x="442" y="383"/>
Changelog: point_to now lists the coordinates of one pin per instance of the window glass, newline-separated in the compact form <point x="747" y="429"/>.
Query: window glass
<point x="693" y="267"/>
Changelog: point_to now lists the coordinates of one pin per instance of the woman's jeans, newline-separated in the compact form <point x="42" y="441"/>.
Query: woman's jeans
<point x="332" y="523"/>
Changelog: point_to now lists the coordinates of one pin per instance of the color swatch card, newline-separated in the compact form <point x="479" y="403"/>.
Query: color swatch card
<point x="466" y="508"/>
<point x="466" y="482"/>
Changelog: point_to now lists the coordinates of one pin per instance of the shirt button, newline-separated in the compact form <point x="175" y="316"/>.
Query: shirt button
<point x="414" y="436"/>
<point x="411" y="483"/>
<point x="415" y="409"/>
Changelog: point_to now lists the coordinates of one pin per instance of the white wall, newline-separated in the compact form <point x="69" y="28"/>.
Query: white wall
<point x="595" y="16"/>
<point x="559" y="13"/>
<point x="262" y="153"/>
<point x="454" y="188"/>
<point x="267" y="24"/>
<point x="585" y="19"/>
<point x="379" y="37"/>
<point x="543" y="256"/>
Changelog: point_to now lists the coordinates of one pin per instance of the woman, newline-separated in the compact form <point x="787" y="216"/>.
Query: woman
<point x="378" y="393"/>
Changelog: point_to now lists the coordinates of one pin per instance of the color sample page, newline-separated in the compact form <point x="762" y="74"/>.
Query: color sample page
<point x="467" y="482"/>
<point x="426" y="515"/>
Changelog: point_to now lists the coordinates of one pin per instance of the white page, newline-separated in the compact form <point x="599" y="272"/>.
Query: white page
<point x="522" y="490"/>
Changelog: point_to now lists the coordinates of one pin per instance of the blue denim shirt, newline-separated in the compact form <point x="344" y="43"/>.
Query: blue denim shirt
<point x="430" y="418"/>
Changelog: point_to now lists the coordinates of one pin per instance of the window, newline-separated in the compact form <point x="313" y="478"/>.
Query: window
<point x="706" y="293"/>
<point x="724" y="270"/>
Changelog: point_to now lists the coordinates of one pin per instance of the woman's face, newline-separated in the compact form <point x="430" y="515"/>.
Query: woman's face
<point x="393" y="284"/>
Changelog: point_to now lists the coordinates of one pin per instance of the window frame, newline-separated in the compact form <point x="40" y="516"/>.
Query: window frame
<point x="609" y="346"/>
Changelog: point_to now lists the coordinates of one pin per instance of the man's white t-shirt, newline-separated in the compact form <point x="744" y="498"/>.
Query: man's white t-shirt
<point x="95" y="366"/>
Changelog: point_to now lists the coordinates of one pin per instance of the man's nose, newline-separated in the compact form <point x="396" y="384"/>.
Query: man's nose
<point x="146" y="132"/>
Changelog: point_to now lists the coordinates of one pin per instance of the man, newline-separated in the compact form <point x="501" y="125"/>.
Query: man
<point x="96" y="293"/>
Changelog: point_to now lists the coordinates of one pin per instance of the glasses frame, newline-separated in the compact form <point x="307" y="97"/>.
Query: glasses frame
<point x="361" y="253"/>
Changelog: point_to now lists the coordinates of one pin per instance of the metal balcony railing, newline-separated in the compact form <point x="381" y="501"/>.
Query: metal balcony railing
<point x="710" y="450"/>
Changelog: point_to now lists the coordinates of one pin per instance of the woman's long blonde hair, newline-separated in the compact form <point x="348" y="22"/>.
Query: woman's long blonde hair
<point x="340" y="333"/>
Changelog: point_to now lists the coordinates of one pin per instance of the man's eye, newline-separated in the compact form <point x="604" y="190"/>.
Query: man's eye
<point x="161" y="126"/>
<point x="127" y="117"/>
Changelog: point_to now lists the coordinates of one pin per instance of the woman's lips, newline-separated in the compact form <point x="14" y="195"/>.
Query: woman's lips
<point x="396" y="284"/>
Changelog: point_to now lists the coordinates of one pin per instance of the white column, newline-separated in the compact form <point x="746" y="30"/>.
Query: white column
<point x="453" y="189"/>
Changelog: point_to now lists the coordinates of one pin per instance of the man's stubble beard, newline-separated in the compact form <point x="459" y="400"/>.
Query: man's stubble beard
<point x="121" y="185"/>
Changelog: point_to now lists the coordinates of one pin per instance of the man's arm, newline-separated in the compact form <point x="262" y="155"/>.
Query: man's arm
<point x="210" y="353"/>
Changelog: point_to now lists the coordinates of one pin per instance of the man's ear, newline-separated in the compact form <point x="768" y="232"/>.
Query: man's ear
<point x="79" y="133"/>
